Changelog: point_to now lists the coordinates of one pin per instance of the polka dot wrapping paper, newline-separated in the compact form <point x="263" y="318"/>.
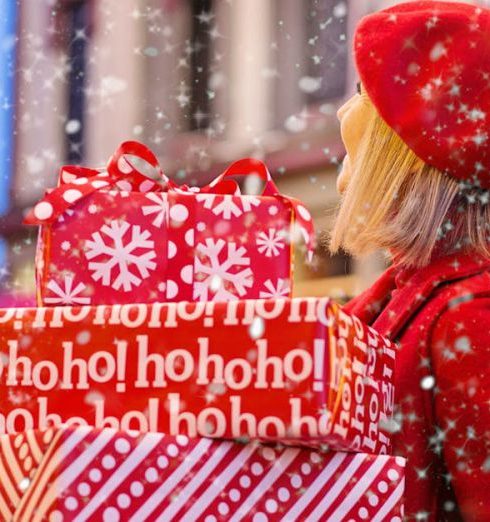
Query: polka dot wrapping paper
<point x="110" y="476"/>
<point x="117" y="236"/>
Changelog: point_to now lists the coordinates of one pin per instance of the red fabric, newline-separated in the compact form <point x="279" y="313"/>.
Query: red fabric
<point x="439" y="315"/>
<point x="426" y="67"/>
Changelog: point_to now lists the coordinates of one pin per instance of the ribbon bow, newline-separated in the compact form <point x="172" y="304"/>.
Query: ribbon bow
<point x="76" y="183"/>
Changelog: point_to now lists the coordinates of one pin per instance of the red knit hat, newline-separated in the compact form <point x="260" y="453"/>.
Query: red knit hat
<point x="426" y="68"/>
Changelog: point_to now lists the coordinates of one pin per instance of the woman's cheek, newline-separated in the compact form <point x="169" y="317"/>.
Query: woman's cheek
<point x="347" y="132"/>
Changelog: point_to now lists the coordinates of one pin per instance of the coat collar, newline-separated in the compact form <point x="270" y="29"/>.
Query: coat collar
<point x="367" y="305"/>
<point x="400" y="292"/>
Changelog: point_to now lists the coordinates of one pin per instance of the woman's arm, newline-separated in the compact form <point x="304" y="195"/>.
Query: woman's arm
<point x="461" y="365"/>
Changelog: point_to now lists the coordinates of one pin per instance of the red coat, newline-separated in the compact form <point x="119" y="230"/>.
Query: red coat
<point x="440" y="317"/>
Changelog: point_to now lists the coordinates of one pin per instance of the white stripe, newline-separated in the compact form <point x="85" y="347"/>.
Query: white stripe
<point x="390" y="353"/>
<point x="355" y="493"/>
<point x="337" y="488"/>
<point x="390" y="503"/>
<point x="217" y="485"/>
<point x="79" y="465"/>
<point x="4" y="509"/>
<point x="168" y="486"/>
<point x="12" y="460"/>
<point x="35" y="449"/>
<point x="263" y="486"/>
<point x="144" y="447"/>
<point x="314" y="488"/>
<point x="7" y="484"/>
<point x="196" y="481"/>
<point x="54" y="460"/>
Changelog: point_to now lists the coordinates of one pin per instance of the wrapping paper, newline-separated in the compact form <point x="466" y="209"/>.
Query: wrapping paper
<point x="147" y="242"/>
<point x="87" y="474"/>
<point x="121" y="247"/>
<point x="294" y="370"/>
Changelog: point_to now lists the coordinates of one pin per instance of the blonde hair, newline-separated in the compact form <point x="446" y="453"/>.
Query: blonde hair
<point x="396" y="202"/>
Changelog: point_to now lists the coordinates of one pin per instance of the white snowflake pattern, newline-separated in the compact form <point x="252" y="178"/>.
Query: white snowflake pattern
<point x="119" y="254"/>
<point x="215" y="271"/>
<point x="270" y="243"/>
<point x="67" y="212"/>
<point x="67" y="294"/>
<point x="228" y="205"/>
<point x="280" y="289"/>
<point x="160" y="208"/>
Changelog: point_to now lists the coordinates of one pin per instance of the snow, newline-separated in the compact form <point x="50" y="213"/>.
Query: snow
<point x="72" y="126"/>
<point x="309" y="84"/>
<point x="295" y="123"/>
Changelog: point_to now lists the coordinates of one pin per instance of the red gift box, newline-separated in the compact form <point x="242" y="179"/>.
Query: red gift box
<point x="153" y="241"/>
<point x="297" y="370"/>
<point x="88" y="474"/>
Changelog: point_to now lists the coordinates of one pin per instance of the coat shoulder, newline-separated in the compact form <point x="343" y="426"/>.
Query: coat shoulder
<point x="460" y="358"/>
<point x="461" y="312"/>
<point x="461" y="333"/>
<point x="461" y="298"/>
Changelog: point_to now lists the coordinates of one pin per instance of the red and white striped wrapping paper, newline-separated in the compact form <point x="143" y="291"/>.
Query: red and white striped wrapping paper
<point x="106" y="475"/>
<point x="20" y="457"/>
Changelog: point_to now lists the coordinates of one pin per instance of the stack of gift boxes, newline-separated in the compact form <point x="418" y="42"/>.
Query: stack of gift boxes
<point x="167" y="372"/>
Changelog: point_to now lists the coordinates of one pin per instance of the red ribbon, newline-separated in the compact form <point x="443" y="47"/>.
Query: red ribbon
<point x="78" y="182"/>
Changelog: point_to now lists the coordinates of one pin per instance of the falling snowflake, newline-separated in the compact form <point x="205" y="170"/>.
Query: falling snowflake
<point x="16" y="397"/>
<point x="68" y="294"/>
<point x="217" y="271"/>
<point x="280" y="289"/>
<point x="228" y="205"/>
<point x="119" y="254"/>
<point x="160" y="208"/>
<point x="270" y="243"/>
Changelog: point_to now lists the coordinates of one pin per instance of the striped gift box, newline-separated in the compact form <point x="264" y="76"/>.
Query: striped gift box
<point x="81" y="473"/>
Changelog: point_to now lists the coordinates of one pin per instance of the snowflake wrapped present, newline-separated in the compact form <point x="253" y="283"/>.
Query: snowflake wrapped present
<point x="116" y="236"/>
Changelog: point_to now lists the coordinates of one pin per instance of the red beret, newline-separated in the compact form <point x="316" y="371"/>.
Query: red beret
<point x="426" y="68"/>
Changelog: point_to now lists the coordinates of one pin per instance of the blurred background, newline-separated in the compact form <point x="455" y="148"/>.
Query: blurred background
<point x="202" y="83"/>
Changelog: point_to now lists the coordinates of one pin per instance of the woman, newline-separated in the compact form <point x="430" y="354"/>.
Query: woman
<point x="415" y="182"/>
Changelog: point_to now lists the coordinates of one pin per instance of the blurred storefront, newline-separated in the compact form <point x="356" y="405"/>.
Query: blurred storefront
<point x="202" y="83"/>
